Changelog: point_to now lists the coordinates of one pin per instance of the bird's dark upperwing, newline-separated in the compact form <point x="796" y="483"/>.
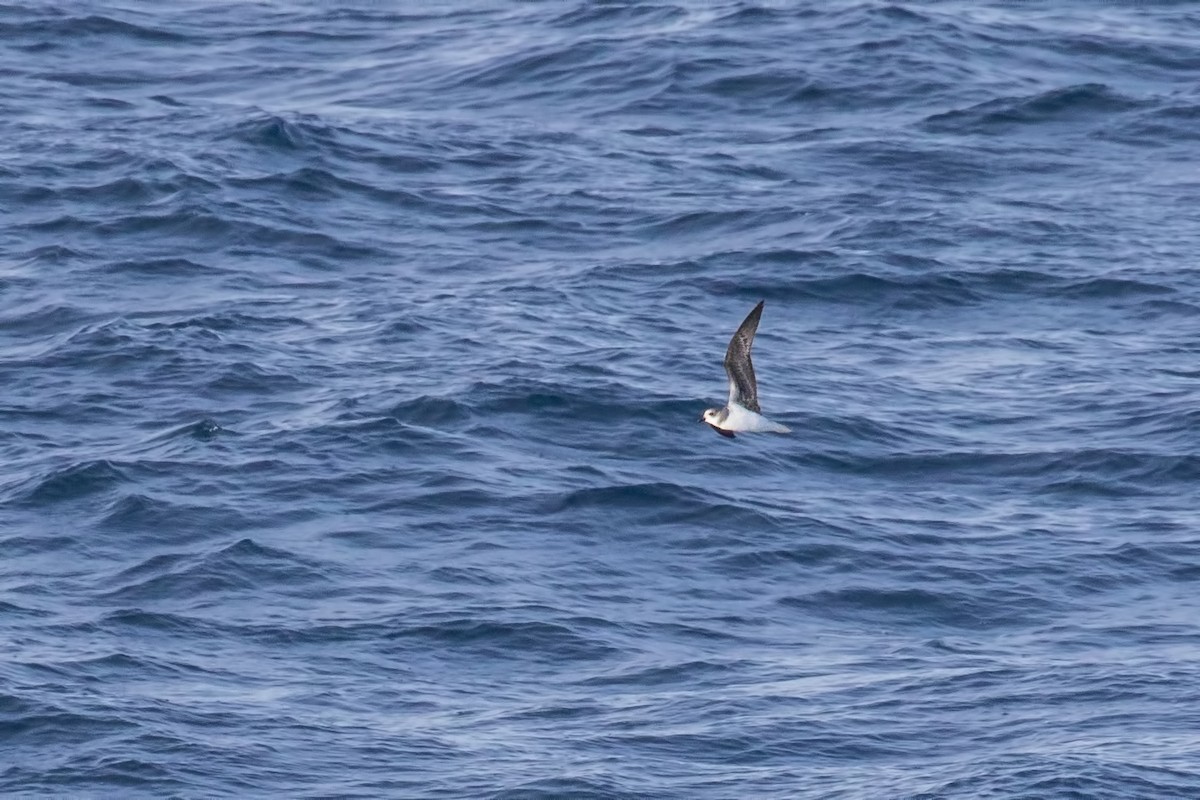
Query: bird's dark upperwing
<point x="743" y="388"/>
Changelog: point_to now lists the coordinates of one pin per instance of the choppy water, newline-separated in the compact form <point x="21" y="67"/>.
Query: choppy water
<point x="351" y="363"/>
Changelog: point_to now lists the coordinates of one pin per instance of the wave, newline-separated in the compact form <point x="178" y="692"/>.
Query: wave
<point x="936" y="286"/>
<point x="244" y="567"/>
<point x="52" y="26"/>
<point x="575" y="788"/>
<point x="1068" y="104"/>
<point x="1104" y="471"/>
<point x="76" y="481"/>
<point x="922" y="607"/>
<point x="135" y="513"/>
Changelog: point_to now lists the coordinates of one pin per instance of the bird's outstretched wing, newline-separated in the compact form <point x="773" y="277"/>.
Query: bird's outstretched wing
<point x="743" y="388"/>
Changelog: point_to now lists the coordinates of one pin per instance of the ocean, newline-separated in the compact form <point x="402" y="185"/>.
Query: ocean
<point x="351" y="364"/>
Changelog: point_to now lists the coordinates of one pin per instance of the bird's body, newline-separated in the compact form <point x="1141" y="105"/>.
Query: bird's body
<point x="735" y="419"/>
<point x="742" y="413"/>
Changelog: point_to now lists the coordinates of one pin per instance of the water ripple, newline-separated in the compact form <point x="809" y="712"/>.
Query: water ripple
<point x="352" y="361"/>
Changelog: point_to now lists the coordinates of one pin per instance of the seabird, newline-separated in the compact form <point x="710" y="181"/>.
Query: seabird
<point x="742" y="413"/>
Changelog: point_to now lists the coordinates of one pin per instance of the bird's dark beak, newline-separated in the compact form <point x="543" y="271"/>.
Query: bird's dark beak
<point x="702" y="418"/>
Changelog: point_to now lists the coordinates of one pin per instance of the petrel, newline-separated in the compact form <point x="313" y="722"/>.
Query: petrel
<point x="741" y="413"/>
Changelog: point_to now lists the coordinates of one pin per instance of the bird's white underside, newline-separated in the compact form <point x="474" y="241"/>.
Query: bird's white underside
<point x="742" y="419"/>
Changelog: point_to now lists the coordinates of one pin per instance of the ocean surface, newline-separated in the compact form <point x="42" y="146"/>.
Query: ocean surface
<point x="351" y="364"/>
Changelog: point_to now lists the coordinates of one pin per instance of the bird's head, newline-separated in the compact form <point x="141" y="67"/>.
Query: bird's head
<point x="711" y="416"/>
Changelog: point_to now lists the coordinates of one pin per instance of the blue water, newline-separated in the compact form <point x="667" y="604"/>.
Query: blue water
<point x="351" y="362"/>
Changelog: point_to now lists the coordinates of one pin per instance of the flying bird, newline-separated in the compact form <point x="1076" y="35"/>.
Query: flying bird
<point x="741" y="413"/>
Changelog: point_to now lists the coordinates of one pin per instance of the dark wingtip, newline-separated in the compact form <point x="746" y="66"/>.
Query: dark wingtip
<point x="755" y="312"/>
